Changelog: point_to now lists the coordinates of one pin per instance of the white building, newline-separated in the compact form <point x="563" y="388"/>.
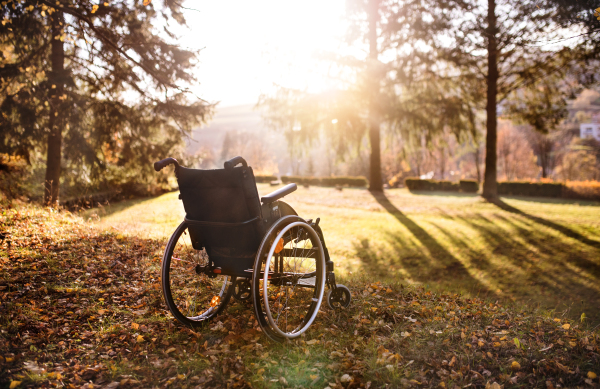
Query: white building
<point x="589" y="130"/>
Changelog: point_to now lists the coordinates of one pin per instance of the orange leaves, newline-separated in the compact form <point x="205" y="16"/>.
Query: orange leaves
<point x="279" y="246"/>
<point x="215" y="301"/>
<point x="147" y="2"/>
<point x="95" y="8"/>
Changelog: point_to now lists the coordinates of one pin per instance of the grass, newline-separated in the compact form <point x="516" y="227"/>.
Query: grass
<point x="81" y="304"/>
<point x="527" y="251"/>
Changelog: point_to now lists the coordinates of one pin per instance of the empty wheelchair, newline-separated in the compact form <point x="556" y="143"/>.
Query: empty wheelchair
<point x="231" y="244"/>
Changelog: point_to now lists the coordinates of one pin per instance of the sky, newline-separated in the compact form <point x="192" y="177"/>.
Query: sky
<point x="250" y="46"/>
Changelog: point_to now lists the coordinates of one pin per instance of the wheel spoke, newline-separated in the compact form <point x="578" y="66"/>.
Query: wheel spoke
<point x="190" y="294"/>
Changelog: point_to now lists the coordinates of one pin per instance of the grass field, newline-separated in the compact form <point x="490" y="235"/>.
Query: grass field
<point x="81" y="304"/>
<point x="538" y="252"/>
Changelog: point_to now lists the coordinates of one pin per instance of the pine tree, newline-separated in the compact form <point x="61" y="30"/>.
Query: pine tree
<point x="95" y="86"/>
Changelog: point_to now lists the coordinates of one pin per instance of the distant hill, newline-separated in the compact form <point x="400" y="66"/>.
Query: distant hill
<point x="248" y="137"/>
<point x="237" y="118"/>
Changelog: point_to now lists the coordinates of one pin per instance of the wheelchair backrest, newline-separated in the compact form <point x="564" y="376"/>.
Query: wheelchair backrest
<point x="219" y="195"/>
<point x="222" y="210"/>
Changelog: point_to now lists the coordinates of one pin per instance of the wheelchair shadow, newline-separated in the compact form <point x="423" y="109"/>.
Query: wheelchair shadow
<point x="555" y="226"/>
<point x="442" y="264"/>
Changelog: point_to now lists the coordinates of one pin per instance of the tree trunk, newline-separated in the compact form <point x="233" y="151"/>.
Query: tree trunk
<point x="56" y="122"/>
<point x="477" y="158"/>
<point x="375" y="181"/>
<point x="490" y="186"/>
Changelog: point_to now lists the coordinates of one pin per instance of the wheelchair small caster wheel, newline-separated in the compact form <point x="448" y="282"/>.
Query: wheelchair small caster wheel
<point x="340" y="297"/>
<point x="242" y="290"/>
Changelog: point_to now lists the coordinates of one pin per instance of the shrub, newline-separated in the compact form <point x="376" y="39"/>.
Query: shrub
<point x="264" y="179"/>
<point x="469" y="186"/>
<point x="416" y="184"/>
<point x="586" y="190"/>
<point x="326" y="181"/>
<point x="536" y="189"/>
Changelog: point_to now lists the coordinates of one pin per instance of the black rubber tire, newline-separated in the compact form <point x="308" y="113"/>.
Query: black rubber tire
<point x="223" y="284"/>
<point x="335" y="302"/>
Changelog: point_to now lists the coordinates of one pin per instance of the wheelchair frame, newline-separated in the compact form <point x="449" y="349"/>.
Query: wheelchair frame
<point x="275" y="279"/>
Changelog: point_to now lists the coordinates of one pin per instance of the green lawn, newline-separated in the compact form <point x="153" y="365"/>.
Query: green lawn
<point x="532" y="251"/>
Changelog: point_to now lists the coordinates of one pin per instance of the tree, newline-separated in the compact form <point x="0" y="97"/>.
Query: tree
<point x="541" y="105"/>
<point x="297" y="115"/>
<point x="497" y="56"/>
<point x="94" y="85"/>
<point x="373" y="88"/>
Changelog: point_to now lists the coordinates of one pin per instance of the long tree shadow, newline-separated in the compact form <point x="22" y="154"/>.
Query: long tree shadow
<point x="534" y="267"/>
<point x="555" y="226"/>
<point x="452" y="267"/>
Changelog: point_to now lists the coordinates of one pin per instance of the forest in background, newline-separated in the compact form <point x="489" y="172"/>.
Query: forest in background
<point x="93" y="94"/>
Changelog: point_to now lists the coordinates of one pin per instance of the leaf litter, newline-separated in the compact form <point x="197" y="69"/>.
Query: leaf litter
<point x="82" y="308"/>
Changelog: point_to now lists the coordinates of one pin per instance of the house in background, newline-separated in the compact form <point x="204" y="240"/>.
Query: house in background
<point x="590" y="130"/>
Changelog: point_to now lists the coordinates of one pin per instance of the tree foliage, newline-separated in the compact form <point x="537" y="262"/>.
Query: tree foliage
<point x="123" y="100"/>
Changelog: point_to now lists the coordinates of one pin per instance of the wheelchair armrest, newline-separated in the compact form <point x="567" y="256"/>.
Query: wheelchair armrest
<point x="279" y="193"/>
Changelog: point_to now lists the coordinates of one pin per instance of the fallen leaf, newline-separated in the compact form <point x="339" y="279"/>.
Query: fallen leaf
<point x="515" y="366"/>
<point x="14" y="384"/>
<point x="95" y="8"/>
<point x="170" y="350"/>
<point x="346" y="378"/>
<point x="591" y="375"/>
<point x="566" y="326"/>
<point x="135" y="326"/>
<point x="140" y="339"/>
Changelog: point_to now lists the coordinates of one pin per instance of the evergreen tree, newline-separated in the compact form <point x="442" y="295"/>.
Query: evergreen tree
<point x="95" y="86"/>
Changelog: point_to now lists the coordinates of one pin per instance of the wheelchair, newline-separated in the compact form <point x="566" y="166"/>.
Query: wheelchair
<point x="231" y="244"/>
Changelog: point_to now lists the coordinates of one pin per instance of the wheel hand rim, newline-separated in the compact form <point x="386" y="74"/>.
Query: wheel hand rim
<point x="298" y="331"/>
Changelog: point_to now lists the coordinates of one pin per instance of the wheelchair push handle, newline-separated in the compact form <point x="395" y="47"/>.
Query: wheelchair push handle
<point x="158" y="166"/>
<point x="235" y="161"/>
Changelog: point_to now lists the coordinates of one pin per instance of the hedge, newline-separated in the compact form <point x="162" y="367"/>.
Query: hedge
<point x="466" y="186"/>
<point x="262" y="179"/>
<point x="469" y="186"/>
<point x="535" y="189"/>
<point x="586" y="190"/>
<point x="326" y="181"/>
<point x="416" y="184"/>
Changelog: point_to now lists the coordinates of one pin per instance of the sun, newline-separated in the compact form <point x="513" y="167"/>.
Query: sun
<point x="248" y="47"/>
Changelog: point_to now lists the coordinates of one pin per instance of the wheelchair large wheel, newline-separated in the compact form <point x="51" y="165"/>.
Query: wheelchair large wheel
<point x="288" y="280"/>
<point x="192" y="295"/>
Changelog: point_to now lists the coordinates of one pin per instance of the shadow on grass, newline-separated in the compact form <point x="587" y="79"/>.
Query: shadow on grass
<point x="104" y="210"/>
<point x="440" y="267"/>
<point x="555" y="226"/>
<point x="535" y="267"/>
